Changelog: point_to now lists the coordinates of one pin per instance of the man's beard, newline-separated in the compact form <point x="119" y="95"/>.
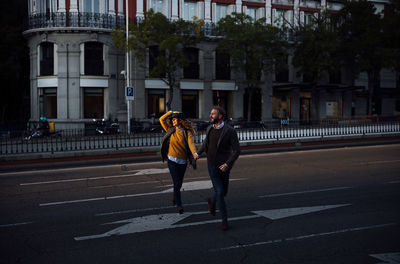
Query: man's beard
<point x="214" y="120"/>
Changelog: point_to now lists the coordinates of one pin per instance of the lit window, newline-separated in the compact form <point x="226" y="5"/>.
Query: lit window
<point x="93" y="103"/>
<point x="155" y="102"/>
<point x="48" y="102"/>
<point x="190" y="101"/>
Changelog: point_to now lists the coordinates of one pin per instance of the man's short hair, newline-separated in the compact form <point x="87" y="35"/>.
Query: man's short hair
<point x="220" y="110"/>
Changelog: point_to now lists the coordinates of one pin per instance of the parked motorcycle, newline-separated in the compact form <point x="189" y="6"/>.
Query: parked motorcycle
<point x="106" y="127"/>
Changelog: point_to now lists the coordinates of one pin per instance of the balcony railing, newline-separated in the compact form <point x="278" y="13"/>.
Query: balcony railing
<point x="75" y="19"/>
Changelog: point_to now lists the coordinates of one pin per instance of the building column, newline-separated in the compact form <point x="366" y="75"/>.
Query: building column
<point x="238" y="6"/>
<point x="207" y="11"/>
<point x="268" y="11"/>
<point x="140" y="8"/>
<point x="174" y="10"/>
<point x="207" y="100"/>
<point x="138" y="76"/>
<point x="33" y="83"/>
<point x="347" y="98"/>
<point x="295" y="104"/>
<point x="266" y="98"/>
<point x="296" y="13"/>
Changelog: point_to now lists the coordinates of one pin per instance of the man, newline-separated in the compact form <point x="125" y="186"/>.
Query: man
<point x="222" y="148"/>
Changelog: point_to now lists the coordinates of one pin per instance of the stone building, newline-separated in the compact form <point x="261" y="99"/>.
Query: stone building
<point x="75" y="71"/>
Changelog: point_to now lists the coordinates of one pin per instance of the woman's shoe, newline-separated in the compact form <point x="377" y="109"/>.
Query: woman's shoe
<point x="180" y="209"/>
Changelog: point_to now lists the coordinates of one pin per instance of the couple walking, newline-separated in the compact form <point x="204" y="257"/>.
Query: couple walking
<point x="221" y="146"/>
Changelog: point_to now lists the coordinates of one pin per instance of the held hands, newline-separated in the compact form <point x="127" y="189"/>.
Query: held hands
<point x="223" y="167"/>
<point x="195" y="156"/>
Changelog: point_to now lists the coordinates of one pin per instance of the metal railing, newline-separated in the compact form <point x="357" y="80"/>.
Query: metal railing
<point x="87" y="143"/>
<point x="75" y="19"/>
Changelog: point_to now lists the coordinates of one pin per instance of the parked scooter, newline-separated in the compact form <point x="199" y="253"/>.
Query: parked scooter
<point x="42" y="131"/>
<point x="106" y="127"/>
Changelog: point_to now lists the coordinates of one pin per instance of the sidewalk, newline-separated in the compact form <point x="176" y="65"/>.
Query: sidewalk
<point x="131" y="155"/>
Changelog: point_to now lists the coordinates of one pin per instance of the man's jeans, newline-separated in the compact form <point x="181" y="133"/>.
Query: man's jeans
<point x="177" y="172"/>
<point x="220" y="181"/>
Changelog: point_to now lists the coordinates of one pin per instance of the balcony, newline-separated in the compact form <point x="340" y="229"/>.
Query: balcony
<point x="75" y="20"/>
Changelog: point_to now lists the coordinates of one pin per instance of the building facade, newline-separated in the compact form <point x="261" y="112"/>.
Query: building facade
<point x="75" y="71"/>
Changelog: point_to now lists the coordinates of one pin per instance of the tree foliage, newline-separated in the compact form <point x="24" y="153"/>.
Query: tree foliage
<point x="253" y="46"/>
<point x="170" y="37"/>
<point x="362" y="44"/>
<point x="316" y="48"/>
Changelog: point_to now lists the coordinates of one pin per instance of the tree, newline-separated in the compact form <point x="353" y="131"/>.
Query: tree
<point x="362" y="47"/>
<point x="253" y="47"/>
<point x="170" y="37"/>
<point x="391" y="36"/>
<point x="315" y="52"/>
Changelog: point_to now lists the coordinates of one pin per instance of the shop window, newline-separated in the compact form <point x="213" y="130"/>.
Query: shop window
<point x="93" y="103"/>
<point x="190" y="101"/>
<point x="155" y="103"/>
<point x="94" y="64"/>
<point x="191" y="71"/>
<point x="222" y="66"/>
<point x="46" y="59"/>
<point x="48" y="102"/>
<point x="280" y="107"/>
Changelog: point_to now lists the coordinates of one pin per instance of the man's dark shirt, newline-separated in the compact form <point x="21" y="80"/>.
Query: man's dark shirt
<point x="212" y="147"/>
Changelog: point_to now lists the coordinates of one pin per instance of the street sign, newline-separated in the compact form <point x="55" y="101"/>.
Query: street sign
<point x="129" y="93"/>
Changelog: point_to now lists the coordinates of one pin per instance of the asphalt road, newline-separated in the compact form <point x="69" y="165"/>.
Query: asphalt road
<point x="317" y="206"/>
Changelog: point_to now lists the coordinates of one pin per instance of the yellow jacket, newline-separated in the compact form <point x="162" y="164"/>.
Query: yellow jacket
<point x="176" y="147"/>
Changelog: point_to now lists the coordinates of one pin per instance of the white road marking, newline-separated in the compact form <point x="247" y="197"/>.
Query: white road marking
<point x="147" y="209"/>
<point x="16" y="224"/>
<point x="379" y="162"/>
<point x="394" y="182"/>
<point x="388" y="258"/>
<point x="305" y="236"/>
<point x="187" y="186"/>
<point x="287" y="212"/>
<point x="168" y="221"/>
<point x="303" y="192"/>
<point x="140" y="172"/>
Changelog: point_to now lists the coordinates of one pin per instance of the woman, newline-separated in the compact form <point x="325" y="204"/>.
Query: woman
<point x="177" y="147"/>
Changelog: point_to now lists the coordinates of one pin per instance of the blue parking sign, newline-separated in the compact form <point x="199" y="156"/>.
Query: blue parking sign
<point x="129" y="94"/>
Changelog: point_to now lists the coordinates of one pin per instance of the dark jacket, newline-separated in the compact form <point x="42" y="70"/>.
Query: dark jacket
<point x="228" y="147"/>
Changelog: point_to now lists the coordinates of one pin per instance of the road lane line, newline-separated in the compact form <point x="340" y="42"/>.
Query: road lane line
<point x="147" y="209"/>
<point x="187" y="186"/>
<point x="305" y="237"/>
<point x="303" y="192"/>
<point x="393" y="182"/>
<point x="138" y="173"/>
<point x="16" y="224"/>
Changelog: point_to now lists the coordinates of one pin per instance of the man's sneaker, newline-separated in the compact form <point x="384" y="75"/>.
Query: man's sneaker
<point x="224" y="225"/>
<point x="180" y="209"/>
<point x="211" y="206"/>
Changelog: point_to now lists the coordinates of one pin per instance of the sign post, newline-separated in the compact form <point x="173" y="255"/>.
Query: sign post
<point x="128" y="77"/>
